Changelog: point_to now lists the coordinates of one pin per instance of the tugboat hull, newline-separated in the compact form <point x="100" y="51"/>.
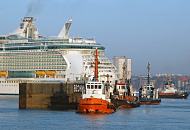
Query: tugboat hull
<point x="126" y="102"/>
<point x="174" y="95"/>
<point x="149" y="101"/>
<point x="122" y="103"/>
<point x="95" y="105"/>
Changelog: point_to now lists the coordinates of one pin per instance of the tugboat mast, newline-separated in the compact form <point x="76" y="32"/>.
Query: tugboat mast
<point x="148" y="68"/>
<point x="96" y="65"/>
<point x="124" y="77"/>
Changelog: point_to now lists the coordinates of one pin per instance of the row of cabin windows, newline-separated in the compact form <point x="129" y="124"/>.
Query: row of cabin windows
<point x="33" y="67"/>
<point x="93" y="86"/>
<point x="31" y="59"/>
<point x="121" y="87"/>
<point x="9" y="81"/>
<point x="50" y="47"/>
<point x="26" y="55"/>
<point x="149" y="88"/>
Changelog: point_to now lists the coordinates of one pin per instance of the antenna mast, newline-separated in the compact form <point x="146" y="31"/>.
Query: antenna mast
<point x="148" y="68"/>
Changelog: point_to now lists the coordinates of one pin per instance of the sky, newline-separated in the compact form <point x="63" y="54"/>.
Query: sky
<point x="155" y="31"/>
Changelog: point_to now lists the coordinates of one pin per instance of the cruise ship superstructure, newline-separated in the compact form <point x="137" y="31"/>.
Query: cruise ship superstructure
<point x="27" y="56"/>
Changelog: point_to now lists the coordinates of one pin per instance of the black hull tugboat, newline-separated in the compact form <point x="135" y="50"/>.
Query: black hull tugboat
<point x="148" y="95"/>
<point x="122" y="97"/>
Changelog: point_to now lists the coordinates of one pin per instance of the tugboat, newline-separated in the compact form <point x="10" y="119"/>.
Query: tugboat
<point x="94" y="98"/>
<point x="147" y="93"/>
<point x="170" y="91"/>
<point x="122" y="97"/>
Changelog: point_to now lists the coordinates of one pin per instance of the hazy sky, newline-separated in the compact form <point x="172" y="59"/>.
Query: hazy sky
<point x="157" y="31"/>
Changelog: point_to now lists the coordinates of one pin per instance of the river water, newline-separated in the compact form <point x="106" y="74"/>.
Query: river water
<point x="171" y="114"/>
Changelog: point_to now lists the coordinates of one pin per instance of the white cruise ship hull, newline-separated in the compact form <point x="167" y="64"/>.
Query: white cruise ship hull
<point x="9" y="88"/>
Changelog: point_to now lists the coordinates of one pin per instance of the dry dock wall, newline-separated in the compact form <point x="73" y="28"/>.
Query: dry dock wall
<point x="54" y="96"/>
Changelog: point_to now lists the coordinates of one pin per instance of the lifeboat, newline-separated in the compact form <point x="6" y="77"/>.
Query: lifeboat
<point x="3" y="73"/>
<point x="40" y="73"/>
<point x="50" y="73"/>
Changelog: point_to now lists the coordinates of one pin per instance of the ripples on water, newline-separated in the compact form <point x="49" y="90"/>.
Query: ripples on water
<point x="171" y="114"/>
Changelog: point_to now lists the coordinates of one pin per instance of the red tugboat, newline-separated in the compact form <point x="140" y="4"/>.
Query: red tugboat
<point x="147" y="93"/>
<point x="94" y="98"/>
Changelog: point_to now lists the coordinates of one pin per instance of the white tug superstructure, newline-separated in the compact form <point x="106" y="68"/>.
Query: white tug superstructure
<point x="26" y="56"/>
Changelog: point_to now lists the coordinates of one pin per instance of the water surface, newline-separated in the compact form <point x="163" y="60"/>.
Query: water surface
<point x="171" y="114"/>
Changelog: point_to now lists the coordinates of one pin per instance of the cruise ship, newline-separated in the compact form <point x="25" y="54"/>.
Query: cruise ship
<point x="27" y="56"/>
